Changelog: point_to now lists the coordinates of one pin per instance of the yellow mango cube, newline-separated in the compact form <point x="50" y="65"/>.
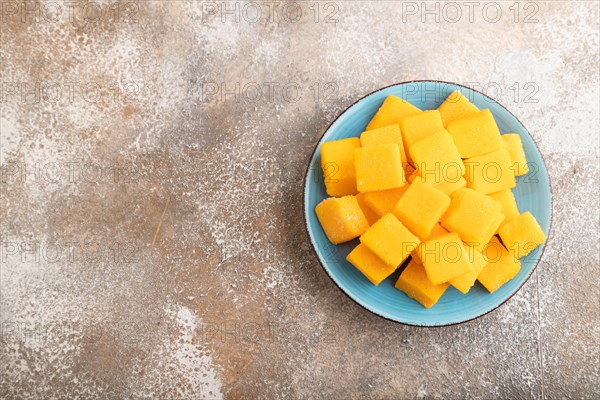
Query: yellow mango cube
<point x="437" y="159"/>
<point x="371" y="215"/>
<point x="456" y="106"/>
<point x="465" y="282"/>
<point x="501" y="266"/>
<point x="474" y="216"/>
<point x="421" y="207"/>
<point x="378" y="168"/>
<point x="392" y="111"/>
<point x="445" y="258"/>
<point x="476" y="135"/>
<point x="383" y="201"/>
<point x="419" y="126"/>
<point x="414" y="282"/>
<point x="369" y="264"/>
<point x="514" y="146"/>
<point x="508" y="205"/>
<point x="436" y="232"/>
<point x="391" y="241"/>
<point x="450" y="187"/>
<point x="384" y="135"/>
<point x="522" y="234"/>
<point x="341" y="218"/>
<point x="337" y="161"/>
<point x="490" y="172"/>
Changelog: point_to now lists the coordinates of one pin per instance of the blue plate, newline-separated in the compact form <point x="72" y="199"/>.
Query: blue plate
<point x="532" y="194"/>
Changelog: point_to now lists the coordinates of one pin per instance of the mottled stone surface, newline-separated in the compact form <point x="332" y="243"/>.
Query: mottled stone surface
<point x="152" y="159"/>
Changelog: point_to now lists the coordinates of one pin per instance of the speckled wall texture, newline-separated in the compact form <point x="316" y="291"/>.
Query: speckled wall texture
<point x="152" y="160"/>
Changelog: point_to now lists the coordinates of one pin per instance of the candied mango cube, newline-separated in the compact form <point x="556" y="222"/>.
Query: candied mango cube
<point x="474" y="216"/>
<point x="371" y="215"/>
<point x="522" y="234"/>
<point x="437" y="159"/>
<point x="476" y="135"/>
<point x="337" y="161"/>
<point x="369" y="264"/>
<point x="341" y="218"/>
<point x="465" y="282"/>
<point x="419" y="126"/>
<point x="514" y="146"/>
<point x="414" y="282"/>
<point x="384" y="135"/>
<point x="383" y="201"/>
<point x="444" y="258"/>
<point x="391" y="241"/>
<point x="501" y="266"/>
<point x="421" y="207"/>
<point x="456" y="106"/>
<point x="508" y="205"/>
<point x="392" y="111"/>
<point x="378" y="168"/>
<point x="490" y="173"/>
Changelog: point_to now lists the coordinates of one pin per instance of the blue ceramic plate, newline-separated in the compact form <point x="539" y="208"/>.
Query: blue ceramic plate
<point x="532" y="194"/>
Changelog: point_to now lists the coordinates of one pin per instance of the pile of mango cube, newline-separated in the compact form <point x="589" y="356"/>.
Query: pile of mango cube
<point x="432" y="188"/>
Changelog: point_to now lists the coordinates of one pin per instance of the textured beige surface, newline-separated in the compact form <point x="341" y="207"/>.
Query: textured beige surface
<point x="151" y="223"/>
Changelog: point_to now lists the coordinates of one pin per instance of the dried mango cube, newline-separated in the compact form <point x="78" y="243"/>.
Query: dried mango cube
<point x="419" y="126"/>
<point x="474" y="216"/>
<point x="508" y="203"/>
<point x="337" y="161"/>
<point x="456" y="106"/>
<point x="383" y="201"/>
<point x="391" y="241"/>
<point x="464" y="282"/>
<point x="421" y="207"/>
<point x="414" y="282"/>
<point x="437" y="159"/>
<point x="514" y="146"/>
<point x="522" y="234"/>
<point x="445" y="258"/>
<point x="436" y="232"/>
<point x="384" y="135"/>
<point x="369" y="264"/>
<point x="371" y="215"/>
<point x="476" y="135"/>
<point x="378" y="168"/>
<point x="501" y="266"/>
<point x="490" y="173"/>
<point x="392" y="111"/>
<point x="341" y="218"/>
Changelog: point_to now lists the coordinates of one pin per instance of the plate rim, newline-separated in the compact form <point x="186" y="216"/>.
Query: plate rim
<point x="313" y="245"/>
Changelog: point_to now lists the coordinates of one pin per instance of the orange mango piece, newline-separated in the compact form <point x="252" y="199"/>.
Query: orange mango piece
<point x="341" y="218"/>
<point x="392" y="111"/>
<point x="369" y="264"/>
<point x="337" y="162"/>
<point x="501" y="266"/>
<point x="456" y="106"/>
<point x="391" y="241"/>
<point x="414" y="282"/>
<point x="378" y="168"/>
<point x="476" y="135"/>
<point x="522" y="234"/>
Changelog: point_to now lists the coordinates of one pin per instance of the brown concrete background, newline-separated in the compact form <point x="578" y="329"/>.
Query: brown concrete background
<point x="151" y="225"/>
